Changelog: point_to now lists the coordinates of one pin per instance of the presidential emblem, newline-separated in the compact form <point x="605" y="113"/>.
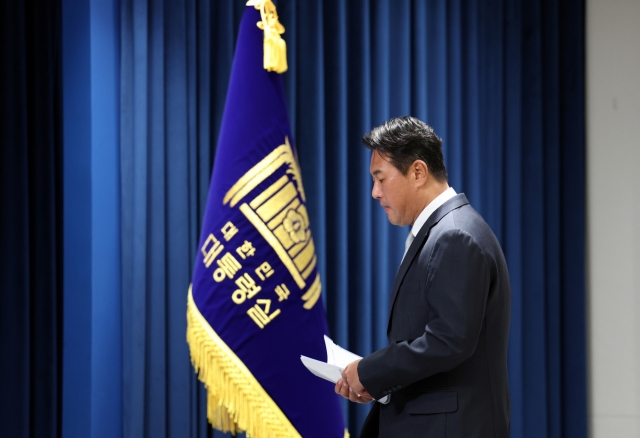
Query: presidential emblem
<point x="280" y="215"/>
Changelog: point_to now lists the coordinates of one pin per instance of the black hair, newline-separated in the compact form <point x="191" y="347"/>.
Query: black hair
<point x="406" y="139"/>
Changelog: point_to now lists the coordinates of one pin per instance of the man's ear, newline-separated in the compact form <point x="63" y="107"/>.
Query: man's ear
<point x="420" y="172"/>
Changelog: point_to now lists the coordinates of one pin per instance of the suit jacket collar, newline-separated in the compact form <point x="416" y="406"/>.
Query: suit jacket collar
<point x="452" y="204"/>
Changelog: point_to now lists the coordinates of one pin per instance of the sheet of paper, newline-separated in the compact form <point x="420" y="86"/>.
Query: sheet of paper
<point x="337" y="359"/>
<point x="323" y="370"/>
<point x="337" y="355"/>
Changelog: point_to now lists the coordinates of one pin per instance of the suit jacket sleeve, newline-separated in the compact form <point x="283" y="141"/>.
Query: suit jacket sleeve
<point x="457" y="284"/>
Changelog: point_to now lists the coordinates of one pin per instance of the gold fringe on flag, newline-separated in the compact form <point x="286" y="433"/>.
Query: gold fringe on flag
<point x="275" y="48"/>
<point x="235" y="399"/>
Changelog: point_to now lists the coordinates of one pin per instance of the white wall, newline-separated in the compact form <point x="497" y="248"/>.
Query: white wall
<point x="613" y="217"/>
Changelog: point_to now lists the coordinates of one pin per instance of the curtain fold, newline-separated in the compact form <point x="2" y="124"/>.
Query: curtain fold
<point x="501" y="82"/>
<point x="31" y="219"/>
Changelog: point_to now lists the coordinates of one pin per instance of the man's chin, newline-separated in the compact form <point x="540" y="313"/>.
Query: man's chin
<point x="392" y="220"/>
<point x="396" y="221"/>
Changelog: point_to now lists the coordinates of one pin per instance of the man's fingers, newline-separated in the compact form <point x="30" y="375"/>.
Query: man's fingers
<point x="342" y="389"/>
<point x="345" y="391"/>
<point x="353" y="396"/>
<point x="344" y="374"/>
<point x="365" y="395"/>
<point x="338" y="386"/>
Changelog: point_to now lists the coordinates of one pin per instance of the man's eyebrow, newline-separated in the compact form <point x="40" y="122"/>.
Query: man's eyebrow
<point x="375" y="172"/>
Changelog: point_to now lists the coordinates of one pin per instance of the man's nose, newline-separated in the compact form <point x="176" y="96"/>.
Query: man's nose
<point x="375" y="192"/>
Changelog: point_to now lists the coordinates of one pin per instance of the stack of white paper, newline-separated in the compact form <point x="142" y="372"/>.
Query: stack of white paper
<point x="337" y="360"/>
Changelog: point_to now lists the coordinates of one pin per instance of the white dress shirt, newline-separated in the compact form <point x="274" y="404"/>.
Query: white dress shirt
<point x="426" y="213"/>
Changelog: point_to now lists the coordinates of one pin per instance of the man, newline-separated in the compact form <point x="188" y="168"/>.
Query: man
<point x="445" y="369"/>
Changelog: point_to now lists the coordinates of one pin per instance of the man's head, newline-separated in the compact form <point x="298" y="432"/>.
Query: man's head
<point x="406" y="139"/>
<point x="407" y="167"/>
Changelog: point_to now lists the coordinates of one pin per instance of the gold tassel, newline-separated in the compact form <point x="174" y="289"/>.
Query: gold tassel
<point x="235" y="400"/>
<point x="275" y="48"/>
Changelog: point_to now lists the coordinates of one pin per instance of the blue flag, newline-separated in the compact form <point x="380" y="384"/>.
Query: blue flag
<point x="255" y="303"/>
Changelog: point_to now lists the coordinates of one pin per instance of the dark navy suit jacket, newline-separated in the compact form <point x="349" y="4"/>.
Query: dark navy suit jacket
<point x="446" y="363"/>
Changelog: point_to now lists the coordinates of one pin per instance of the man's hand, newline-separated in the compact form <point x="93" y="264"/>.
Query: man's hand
<point x="350" y="387"/>
<point x="348" y="393"/>
<point x="350" y="376"/>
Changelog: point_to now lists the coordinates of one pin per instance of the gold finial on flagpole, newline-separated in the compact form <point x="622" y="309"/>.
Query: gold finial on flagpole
<point x="275" y="49"/>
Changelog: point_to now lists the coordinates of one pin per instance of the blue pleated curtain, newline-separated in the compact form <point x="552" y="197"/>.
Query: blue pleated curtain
<point x="31" y="213"/>
<point x="502" y="82"/>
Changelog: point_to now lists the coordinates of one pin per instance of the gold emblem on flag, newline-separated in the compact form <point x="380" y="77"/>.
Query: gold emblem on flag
<point x="280" y="215"/>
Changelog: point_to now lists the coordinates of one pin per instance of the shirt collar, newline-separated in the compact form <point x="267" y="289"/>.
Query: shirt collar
<point x="430" y="208"/>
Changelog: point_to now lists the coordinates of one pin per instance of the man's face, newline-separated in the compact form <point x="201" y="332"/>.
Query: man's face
<point x="393" y="189"/>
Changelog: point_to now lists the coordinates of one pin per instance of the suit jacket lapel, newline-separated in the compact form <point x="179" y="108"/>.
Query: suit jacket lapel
<point x="453" y="203"/>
